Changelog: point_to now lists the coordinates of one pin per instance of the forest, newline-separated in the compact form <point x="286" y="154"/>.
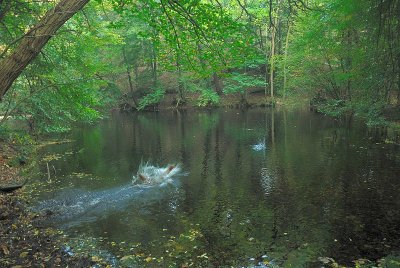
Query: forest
<point x="342" y="56"/>
<point x="199" y="133"/>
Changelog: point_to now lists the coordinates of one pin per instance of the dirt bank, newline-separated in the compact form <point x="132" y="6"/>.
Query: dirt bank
<point x="23" y="240"/>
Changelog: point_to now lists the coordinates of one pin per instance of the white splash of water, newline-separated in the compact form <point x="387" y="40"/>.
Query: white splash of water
<point x="260" y="146"/>
<point x="152" y="175"/>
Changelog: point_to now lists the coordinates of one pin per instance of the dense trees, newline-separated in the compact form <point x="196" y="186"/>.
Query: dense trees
<point x="34" y="40"/>
<point x="345" y="54"/>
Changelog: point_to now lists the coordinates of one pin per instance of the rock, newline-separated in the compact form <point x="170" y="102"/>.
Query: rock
<point x="4" y="215"/>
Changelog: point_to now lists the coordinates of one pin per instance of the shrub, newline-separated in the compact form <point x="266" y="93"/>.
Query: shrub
<point x="152" y="99"/>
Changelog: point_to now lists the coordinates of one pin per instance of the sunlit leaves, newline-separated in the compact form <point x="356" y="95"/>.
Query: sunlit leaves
<point x="208" y="98"/>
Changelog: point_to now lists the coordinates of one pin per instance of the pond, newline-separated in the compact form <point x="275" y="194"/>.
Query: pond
<point x="263" y="186"/>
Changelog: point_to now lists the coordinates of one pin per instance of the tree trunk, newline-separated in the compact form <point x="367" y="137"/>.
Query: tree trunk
<point x="285" y="61"/>
<point x="271" y="78"/>
<point x="181" y="95"/>
<point x="274" y="30"/>
<point x="34" y="40"/>
<point x="266" y="64"/>
<point x="216" y="81"/>
<point x="128" y="73"/>
<point x="261" y="39"/>
<point x="154" y="64"/>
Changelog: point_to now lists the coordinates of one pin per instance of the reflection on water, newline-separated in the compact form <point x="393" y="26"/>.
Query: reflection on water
<point x="317" y="187"/>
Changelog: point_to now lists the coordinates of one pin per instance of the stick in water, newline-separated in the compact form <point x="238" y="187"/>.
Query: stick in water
<point x="48" y="172"/>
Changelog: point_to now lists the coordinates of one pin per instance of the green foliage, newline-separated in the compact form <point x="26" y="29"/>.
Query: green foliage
<point x="371" y="111"/>
<point x="334" y="107"/>
<point x="23" y="142"/>
<point x="66" y="83"/>
<point x="152" y="99"/>
<point x="343" y="51"/>
<point x="390" y="261"/>
<point x="207" y="98"/>
<point x="239" y="83"/>
<point x="199" y="35"/>
<point x="4" y="132"/>
<point x="21" y="139"/>
<point x="347" y="49"/>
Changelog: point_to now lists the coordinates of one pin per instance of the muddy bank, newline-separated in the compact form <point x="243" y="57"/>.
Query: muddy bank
<point x="24" y="242"/>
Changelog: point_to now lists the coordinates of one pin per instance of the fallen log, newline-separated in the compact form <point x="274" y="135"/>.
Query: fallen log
<point x="10" y="188"/>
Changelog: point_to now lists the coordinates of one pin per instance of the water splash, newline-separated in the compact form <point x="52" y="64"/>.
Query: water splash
<point x="152" y="175"/>
<point x="260" y="146"/>
<point x="75" y="206"/>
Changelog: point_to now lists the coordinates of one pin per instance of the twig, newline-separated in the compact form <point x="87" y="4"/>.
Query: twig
<point x="48" y="172"/>
<point x="55" y="172"/>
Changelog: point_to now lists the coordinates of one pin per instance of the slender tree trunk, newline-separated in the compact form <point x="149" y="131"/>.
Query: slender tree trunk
<point x="266" y="64"/>
<point x="284" y="61"/>
<point x="279" y="36"/>
<point x="154" y="66"/>
<point x="34" y="41"/>
<point x="216" y="81"/>
<point x="128" y="73"/>
<point x="261" y="39"/>
<point x="272" y="69"/>
<point x="181" y="96"/>
<point x="131" y="87"/>
<point x="274" y="30"/>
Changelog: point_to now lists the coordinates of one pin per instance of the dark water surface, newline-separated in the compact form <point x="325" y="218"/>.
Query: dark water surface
<point x="319" y="187"/>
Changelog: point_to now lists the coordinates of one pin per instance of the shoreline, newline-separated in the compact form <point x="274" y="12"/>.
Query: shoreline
<point x="24" y="242"/>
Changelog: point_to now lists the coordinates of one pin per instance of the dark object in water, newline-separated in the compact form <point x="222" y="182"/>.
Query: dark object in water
<point x="12" y="187"/>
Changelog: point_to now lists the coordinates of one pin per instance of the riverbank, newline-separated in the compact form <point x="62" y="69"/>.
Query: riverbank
<point x="389" y="116"/>
<point x="195" y="101"/>
<point x="24" y="242"/>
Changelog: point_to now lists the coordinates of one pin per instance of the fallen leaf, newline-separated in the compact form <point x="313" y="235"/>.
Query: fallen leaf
<point x="96" y="258"/>
<point x="5" y="249"/>
<point x="23" y="254"/>
<point x="127" y="257"/>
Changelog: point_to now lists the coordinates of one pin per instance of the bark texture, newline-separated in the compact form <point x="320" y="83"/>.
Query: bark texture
<point x="34" y="40"/>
